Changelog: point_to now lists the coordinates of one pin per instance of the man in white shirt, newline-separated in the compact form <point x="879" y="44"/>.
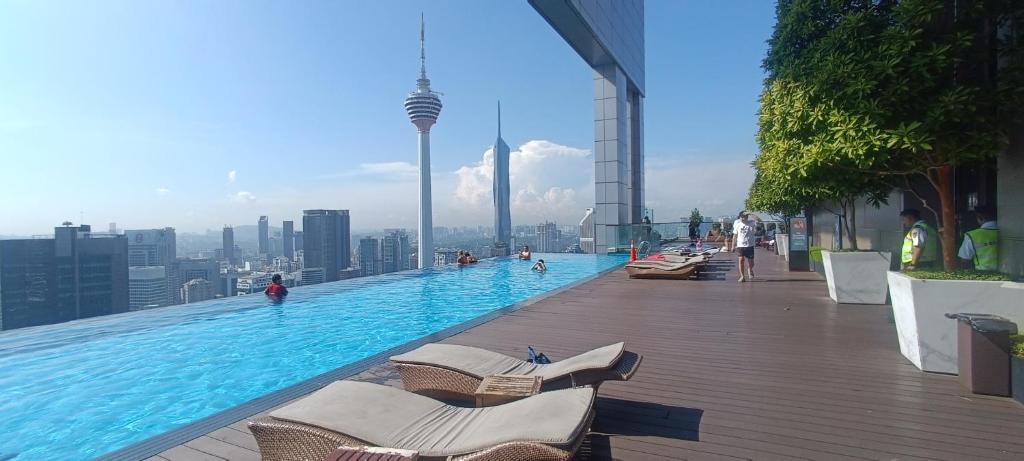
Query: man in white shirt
<point x="743" y="233"/>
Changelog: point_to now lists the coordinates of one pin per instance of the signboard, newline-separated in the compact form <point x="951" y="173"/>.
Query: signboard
<point x="798" y="233"/>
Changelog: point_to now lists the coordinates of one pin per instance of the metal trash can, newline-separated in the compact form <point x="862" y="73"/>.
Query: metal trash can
<point x="983" y="349"/>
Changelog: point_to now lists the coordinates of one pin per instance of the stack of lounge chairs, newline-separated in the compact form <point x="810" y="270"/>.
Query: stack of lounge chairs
<point x="547" y="426"/>
<point x="671" y="266"/>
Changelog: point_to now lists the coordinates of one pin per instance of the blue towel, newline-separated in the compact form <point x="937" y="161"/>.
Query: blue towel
<point x="535" y="357"/>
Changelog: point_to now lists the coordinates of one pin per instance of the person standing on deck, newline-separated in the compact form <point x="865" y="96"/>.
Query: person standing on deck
<point x="980" y="249"/>
<point x="921" y="244"/>
<point x="744" y="235"/>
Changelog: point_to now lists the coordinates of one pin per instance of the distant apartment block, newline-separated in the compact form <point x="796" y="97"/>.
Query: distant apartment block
<point x="255" y="282"/>
<point x="228" y="244"/>
<point x="395" y="251"/>
<point x="445" y="256"/>
<point x="147" y="287"/>
<point x="76" y="274"/>
<point x="312" y="275"/>
<point x="288" y="238"/>
<point x="369" y="256"/>
<point x="151" y="247"/>
<point x="196" y="290"/>
<point x="587" y="231"/>
<point x="548" y="238"/>
<point x="263" y="236"/>
<point x="327" y="241"/>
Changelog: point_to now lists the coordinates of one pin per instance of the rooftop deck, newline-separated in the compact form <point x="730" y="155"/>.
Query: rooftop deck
<point x="771" y="369"/>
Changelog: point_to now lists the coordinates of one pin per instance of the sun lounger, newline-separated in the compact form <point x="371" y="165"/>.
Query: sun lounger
<point x="455" y="372"/>
<point x="664" y="269"/>
<point x="547" y="426"/>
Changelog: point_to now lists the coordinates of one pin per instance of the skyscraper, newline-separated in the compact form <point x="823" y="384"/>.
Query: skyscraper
<point x="264" y="235"/>
<point x="151" y="247"/>
<point x="288" y="235"/>
<point x="547" y="237"/>
<point x="327" y="241"/>
<point x="609" y="36"/>
<point x="228" y="243"/>
<point x="76" y="274"/>
<point x="502" y="215"/>
<point x="423" y="107"/>
<point x="196" y="290"/>
<point x="147" y="287"/>
<point x="587" y="231"/>
<point x="395" y="251"/>
<point x="369" y="256"/>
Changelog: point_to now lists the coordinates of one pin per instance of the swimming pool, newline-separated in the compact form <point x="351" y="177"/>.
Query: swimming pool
<point x="89" y="387"/>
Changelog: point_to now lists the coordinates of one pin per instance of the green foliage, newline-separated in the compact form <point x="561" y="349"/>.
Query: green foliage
<point x="862" y="95"/>
<point x="695" y="216"/>
<point x="815" y="254"/>
<point x="1017" y="345"/>
<point x="958" y="275"/>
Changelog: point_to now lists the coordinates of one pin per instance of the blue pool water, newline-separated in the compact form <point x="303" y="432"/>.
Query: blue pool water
<point x="85" y="388"/>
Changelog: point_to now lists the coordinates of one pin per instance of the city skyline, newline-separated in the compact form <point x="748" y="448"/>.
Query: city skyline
<point x="214" y="151"/>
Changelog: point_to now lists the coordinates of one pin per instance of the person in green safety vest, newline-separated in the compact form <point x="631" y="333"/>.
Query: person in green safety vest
<point x="921" y="244"/>
<point x="980" y="249"/>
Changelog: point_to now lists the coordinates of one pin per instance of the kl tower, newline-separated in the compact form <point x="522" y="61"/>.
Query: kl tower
<point x="423" y="106"/>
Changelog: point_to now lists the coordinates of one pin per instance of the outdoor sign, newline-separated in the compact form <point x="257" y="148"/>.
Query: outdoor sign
<point x="798" y="233"/>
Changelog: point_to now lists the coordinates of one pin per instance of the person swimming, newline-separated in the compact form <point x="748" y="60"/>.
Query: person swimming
<point x="539" y="266"/>
<point x="276" y="289"/>
<point x="463" y="258"/>
<point x="525" y="253"/>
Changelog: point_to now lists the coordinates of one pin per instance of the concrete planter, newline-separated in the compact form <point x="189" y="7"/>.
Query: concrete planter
<point x="1017" y="378"/>
<point x="782" y="244"/>
<point x="927" y="338"/>
<point x="857" y="277"/>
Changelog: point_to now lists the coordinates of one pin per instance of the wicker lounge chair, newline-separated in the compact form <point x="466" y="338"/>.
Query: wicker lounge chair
<point x="547" y="426"/>
<point x="450" y="371"/>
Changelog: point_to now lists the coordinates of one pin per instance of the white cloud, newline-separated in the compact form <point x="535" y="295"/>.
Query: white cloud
<point x="162" y="191"/>
<point x="548" y="181"/>
<point x="394" y="169"/>
<point x="242" y="197"/>
<point x="676" y="186"/>
<point x="232" y="176"/>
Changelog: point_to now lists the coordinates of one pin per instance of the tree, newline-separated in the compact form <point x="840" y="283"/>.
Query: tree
<point x="695" y="221"/>
<point x="889" y="91"/>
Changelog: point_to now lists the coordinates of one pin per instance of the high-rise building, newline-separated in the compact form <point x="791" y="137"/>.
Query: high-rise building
<point x="264" y="235"/>
<point x="288" y="235"/>
<point x="255" y="282"/>
<point x="502" y="215"/>
<point x="547" y="238"/>
<point x="609" y="36"/>
<point x="445" y="256"/>
<point x="228" y="244"/>
<point x="327" y="241"/>
<point x="76" y="274"/>
<point x="369" y="256"/>
<point x="395" y="251"/>
<point x="151" y="247"/>
<point x="423" y="107"/>
<point x="147" y="287"/>
<point x="297" y="238"/>
<point x="312" y="275"/>
<point x="191" y="269"/>
<point x="587" y="231"/>
<point x="196" y="290"/>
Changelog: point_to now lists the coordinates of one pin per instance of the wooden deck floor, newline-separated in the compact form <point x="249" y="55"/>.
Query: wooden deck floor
<point x="765" y="370"/>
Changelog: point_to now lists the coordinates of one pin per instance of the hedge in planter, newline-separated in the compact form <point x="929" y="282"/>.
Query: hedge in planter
<point x="1017" y="368"/>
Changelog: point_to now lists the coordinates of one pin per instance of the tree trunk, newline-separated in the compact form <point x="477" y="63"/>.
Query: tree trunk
<point x="851" y="224"/>
<point x="947" y="227"/>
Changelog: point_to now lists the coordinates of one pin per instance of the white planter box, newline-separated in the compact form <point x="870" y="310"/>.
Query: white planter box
<point x="782" y="243"/>
<point x="857" y="277"/>
<point x="927" y="338"/>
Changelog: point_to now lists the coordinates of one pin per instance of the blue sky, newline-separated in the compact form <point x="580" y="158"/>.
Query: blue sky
<point x="137" y="112"/>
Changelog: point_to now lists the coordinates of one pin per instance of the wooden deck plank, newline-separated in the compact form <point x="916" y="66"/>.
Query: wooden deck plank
<point x="769" y="370"/>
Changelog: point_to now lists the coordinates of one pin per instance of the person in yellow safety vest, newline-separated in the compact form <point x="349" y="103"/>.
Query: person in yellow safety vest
<point x="981" y="246"/>
<point x="921" y="244"/>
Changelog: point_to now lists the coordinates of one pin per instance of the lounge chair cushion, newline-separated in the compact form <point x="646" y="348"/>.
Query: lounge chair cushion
<point x="481" y="363"/>
<point x="390" y="417"/>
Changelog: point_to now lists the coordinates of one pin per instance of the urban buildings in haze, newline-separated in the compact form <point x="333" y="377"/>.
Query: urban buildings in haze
<point x="288" y="235"/>
<point x="502" y="214"/>
<point x="326" y="241"/>
<point x="147" y="287"/>
<point x="76" y="274"/>
<point x="196" y="290"/>
<point x="423" y="107"/>
<point x="228" y="244"/>
<point x="263" y="236"/>
<point x="395" y="251"/>
<point x="369" y="256"/>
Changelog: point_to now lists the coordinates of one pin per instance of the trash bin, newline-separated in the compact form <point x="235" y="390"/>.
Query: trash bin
<point x="983" y="349"/>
